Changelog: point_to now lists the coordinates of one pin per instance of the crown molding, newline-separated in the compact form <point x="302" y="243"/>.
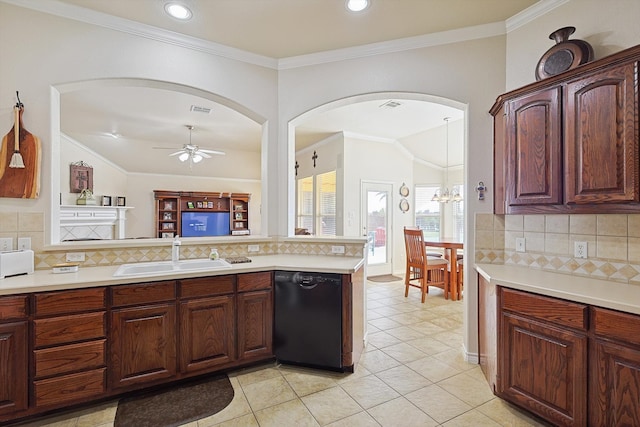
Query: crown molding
<point x="392" y="46"/>
<point x="76" y="13"/>
<point x="533" y="12"/>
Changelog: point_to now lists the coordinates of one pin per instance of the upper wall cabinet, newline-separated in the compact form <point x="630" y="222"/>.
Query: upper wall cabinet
<point x="569" y="143"/>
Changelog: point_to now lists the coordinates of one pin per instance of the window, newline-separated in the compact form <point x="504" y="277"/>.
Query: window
<point x="427" y="212"/>
<point x="316" y="205"/>
<point x="458" y="217"/>
<point x="305" y="204"/>
<point x="326" y="190"/>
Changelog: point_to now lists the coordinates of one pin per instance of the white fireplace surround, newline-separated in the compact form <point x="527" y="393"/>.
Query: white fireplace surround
<point x="79" y="222"/>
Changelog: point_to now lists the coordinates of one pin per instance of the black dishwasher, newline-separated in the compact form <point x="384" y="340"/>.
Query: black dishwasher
<point x="308" y="319"/>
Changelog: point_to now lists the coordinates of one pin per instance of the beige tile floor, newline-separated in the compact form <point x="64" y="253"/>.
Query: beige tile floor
<point x="412" y="373"/>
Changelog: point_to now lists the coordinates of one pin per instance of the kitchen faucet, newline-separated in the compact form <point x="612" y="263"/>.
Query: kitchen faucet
<point x="175" y="249"/>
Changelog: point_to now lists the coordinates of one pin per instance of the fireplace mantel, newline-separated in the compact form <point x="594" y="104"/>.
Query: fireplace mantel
<point x="83" y="220"/>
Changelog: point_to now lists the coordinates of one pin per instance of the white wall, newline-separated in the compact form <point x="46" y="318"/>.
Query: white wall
<point x="108" y="179"/>
<point x="609" y="26"/>
<point x="46" y="51"/>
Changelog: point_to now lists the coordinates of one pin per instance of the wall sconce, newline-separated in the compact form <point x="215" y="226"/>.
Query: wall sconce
<point x="481" y="188"/>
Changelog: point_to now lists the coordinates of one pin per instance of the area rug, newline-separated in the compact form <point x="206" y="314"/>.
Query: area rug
<point x="175" y="405"/>
<point x="384" y="278"/>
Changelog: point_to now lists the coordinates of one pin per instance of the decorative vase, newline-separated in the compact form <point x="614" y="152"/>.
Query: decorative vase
<point x="565" y="55"/>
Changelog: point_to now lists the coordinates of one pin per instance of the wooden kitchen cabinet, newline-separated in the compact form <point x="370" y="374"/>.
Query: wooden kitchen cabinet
<point x="614" y="387"/>
<point x="569" y="143"/>
<point x="543" y="356"/>
<point x="143" y="334"/>
<point x="69" y="346"/>
<point x="255" y="315"/>
<point x="534" y="163"/>
<point x="207" y="323"/>
<point x="601" y="136"/>
<point x="14" y="353"/>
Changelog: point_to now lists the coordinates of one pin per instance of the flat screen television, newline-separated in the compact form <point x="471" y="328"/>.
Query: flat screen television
<point x="199" y="224"/>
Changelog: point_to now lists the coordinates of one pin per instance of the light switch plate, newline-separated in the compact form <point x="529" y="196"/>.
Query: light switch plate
<point x="24" y="243"/>
<point x="520" y="244"/>
<point x="6" y="244"/>
<point x="337" y="249"/>
<point x="75" y="256"/>
<point x="253" y="248"/>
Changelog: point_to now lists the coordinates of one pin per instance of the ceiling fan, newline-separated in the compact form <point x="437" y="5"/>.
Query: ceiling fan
<point x="193" y="152"/>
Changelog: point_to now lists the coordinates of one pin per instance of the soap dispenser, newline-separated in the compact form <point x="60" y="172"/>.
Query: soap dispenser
<point x="214" y="254"/>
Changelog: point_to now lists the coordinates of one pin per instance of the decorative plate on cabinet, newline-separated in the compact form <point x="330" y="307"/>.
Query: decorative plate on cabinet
<point x="565" y="55"/>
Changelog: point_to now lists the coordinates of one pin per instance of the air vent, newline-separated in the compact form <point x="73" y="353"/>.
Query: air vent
<point x="391" y="104"/>
<point x="197" y="109"/>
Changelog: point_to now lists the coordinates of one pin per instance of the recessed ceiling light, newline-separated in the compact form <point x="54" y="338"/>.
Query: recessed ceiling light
<point x="358" y="5"/>
<point x="178" y="11"/>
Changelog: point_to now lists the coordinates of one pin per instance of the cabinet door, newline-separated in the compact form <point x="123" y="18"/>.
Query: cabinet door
<point x="534" y="149"/>
<point x="13" y="367"/>
<point x="206" y="333"/>
<point x="143" y="344"/>
<point x="614" y="385"/>
<point x="255" y="324"/>
<point x="543" y="368"/>
<point x="601" y="140"/>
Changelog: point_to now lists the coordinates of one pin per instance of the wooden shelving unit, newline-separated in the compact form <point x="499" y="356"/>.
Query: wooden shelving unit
<point x="171" y="204"/>
<point x="239" y="215"/>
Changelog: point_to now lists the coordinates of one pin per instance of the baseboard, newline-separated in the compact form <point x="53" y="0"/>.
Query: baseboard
<point x="470" y="357"/>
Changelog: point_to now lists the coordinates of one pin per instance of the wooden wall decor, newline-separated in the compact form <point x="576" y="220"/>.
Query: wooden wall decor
<point x="20" y="161"/>
<point x="81" y="177"/>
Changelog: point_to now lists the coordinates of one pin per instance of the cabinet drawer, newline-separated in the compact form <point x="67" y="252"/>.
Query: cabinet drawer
<point x="254" y="281"/>
<point x="70" y="358"/>
<point x="13" y="307"/>
<point x="560" y="312"/>
<point x="76" y="301"/>
<point x="62" y="330"/>
<point x="207" y="286"/>
<point x="143" y="293"/>
<point x="616" y="325"/>
<point x="69" y="388"/>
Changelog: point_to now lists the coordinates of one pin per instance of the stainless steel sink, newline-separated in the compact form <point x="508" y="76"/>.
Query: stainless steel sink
<point x="166" y="267"/>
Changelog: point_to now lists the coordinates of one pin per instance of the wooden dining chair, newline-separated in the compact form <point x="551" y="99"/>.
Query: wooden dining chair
<point x="426" y="270"/>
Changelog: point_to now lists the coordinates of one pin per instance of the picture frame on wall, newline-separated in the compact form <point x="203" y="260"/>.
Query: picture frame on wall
<point x="121" y="201"/>
<point x="81" y="175"/>
<point x="106" y="200"/>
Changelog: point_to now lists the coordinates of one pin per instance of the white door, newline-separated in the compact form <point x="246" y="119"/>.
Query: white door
<point x="376" y="220"/>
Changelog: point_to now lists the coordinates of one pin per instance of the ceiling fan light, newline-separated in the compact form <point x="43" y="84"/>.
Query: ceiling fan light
<point x="357" y="5"/>
<point x="183" y="157"/>
<point x="196" y="158"/>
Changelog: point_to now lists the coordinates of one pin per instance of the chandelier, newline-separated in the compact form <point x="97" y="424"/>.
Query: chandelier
<point x="443" y="195"/>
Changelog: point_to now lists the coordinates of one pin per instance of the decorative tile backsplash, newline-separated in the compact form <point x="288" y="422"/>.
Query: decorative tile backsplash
<point x="613" y="243"/>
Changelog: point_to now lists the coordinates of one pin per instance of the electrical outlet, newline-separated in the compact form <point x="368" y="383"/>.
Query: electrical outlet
<point x="520" y="244"/>
<point x="580" y="250"/>
<point x="24" y="243"/>
<point x="253" y="248"/>
<point x="75" y="256"/>
<point x="6" y="243"/>
<point x="337" y="249"/>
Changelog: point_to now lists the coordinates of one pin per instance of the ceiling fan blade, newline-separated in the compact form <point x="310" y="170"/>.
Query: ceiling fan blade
<point x="203" y="154"/>
<point x="204" y="150"/>
<point x="164" y="148"/>
<point x="177" y="152"/>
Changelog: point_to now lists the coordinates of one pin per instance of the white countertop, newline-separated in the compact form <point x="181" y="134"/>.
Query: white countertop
<point x="87" y="277"/>
<point x="601" y="293"/>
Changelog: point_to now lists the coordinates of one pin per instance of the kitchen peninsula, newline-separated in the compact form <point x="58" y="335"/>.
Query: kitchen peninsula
<point x="68" y="336"/>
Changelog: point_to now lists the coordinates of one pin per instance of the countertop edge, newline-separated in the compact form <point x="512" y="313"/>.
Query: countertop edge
<point x="89" y="277"/>
<point x="601" y="293"/>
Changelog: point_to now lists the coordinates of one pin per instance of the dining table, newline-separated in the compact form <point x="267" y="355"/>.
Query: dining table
<point x="452" y="245"/>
